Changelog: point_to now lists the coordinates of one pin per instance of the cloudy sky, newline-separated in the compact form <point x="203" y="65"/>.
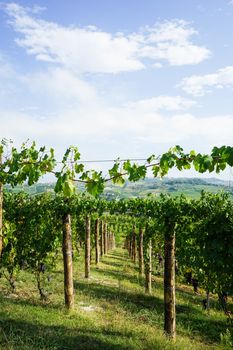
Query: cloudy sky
<point x="121" y="78"/>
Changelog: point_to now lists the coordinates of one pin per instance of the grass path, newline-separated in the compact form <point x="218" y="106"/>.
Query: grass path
<point x="112" y="312"/>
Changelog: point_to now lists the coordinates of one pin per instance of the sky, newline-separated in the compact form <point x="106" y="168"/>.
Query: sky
<point x="125" y="78"/>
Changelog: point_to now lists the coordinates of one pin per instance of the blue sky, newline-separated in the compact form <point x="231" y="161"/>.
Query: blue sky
<point x="117" y="78"/>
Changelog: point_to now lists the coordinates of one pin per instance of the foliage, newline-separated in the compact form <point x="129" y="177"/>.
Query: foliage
<point x="32" y="233"/>
<point x="206" y="243"/>
<point x="29" y="164"/>
<point x="226" y="339"/>
<point x="26" y="164"/>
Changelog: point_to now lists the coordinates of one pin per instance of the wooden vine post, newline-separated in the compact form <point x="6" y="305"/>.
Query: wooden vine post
<point x="108" y="240"/>
<point x="169" y="284"/>
<point x="140" y="252"/>
<point x="97" y="247"/>
<point x="68" y="261"/>
<point x="130" y="245"/>
<point x="127" y="245"/>
<point x="87" y="247"/>
<point x="102" y="239"/>
<point x="134" y="245"/>
<point x="105" y="238"/>
<point x="113" y="241"/>
<point x="148" y="268"/>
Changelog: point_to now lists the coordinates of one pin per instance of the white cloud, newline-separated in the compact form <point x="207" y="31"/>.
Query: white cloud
<point x="7" y="75"/>
<point x="126" y="125"/>
<point x="191" y="131"/>
<point x="168" y="103"/>
<point x="171" y="41"/>
<point x="91" y="50"/>
<point x="157" y="65"/>
<point x="60" y="85"/>
<point x="199" y="85"/>
<point x="80" y="49"/>
<point x="5" y="67"/>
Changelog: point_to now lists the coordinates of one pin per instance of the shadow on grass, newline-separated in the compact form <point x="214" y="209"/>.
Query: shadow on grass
<point x="123" y="253"/>
<point x="120" y="273"/>
<point x="131" y="301"/>
<point x="187" y="292"/>
<point x="199" y="322"/>
<point x="189" y="318"/>
<point x="116" y="256"/>
<point x="21" y="335"/>
<point x="193" y="319"/>
<point x="190" y="322"/>
<point x="197" y="298"/>
<point x="4" y="298"/>
<point x="116" y="264"/>
<point x="199" y="325"/>
<point x="121" y="276"/>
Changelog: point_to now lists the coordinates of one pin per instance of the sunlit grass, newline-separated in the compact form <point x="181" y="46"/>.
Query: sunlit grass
<point x="111" y="312"/>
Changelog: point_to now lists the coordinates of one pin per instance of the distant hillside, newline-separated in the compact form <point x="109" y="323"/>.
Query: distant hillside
<point x="191" y="187"/>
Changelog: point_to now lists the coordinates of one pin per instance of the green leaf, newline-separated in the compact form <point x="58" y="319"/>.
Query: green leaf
<point x="155" y="170"/>
<point x="68" y="188"/>
<point x="187" y="166"/>
<point x="95" y="187"/>
<point x="119" y="180"/>
<point x="150" y="159"/>
<point x="193" y="153"/>
<point x="78" y="168"/>
<point x="127" y="165"/>
<point x="59" y="185"/>
<point x="76" y="154"/>
<point x="114" y="171"/>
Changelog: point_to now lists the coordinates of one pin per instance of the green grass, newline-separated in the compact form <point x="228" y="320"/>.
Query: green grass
<point x="111" y="312"/>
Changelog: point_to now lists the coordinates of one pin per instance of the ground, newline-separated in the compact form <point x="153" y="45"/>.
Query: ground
<point x="111" y="312"/>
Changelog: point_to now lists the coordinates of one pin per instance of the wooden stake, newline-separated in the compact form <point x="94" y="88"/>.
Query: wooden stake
<point x="68" y="262"/>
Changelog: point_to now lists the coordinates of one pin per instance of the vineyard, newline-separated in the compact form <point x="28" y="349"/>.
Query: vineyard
<point x="152" y="273"/>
